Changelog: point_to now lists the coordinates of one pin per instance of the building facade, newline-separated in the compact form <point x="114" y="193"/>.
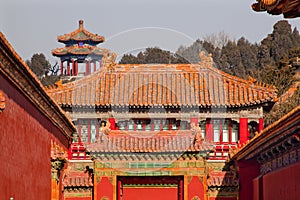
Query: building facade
<point x="270" y="156"/>
<point x="162" y="131"/>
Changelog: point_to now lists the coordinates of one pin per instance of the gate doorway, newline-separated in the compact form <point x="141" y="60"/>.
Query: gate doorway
<point x="150" y="188"/>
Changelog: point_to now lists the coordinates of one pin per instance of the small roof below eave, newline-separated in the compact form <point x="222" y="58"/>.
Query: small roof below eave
<point x="150" y="142"/>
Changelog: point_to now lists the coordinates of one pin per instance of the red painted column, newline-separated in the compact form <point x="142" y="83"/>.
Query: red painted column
<point x="209" y="130"/>
<point x="95" y="67"/>
<point x="260" y="124"/>
<point x="68" y="68"/>
<point x="181" y="195"/>
<point x="101" y="63"/>
<point x="243" y="129"/>
<point x="112" y="122"/>
<point x="73" y="68"/>
<point x="61" y="68"/>
<point x="119" y="190"/>
<point x="76" y="67"/>
<point x="70" y="152"/>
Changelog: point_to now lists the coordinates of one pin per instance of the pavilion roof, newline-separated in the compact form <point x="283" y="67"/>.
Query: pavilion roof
<point x="81" y="34"/>
<point x="149" y="142"/>
<point x="75" y="50"/>
<point x="289" y="8"/>
<point x="173" y="85"/>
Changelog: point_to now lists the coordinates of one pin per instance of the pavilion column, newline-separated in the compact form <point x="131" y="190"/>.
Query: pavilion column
<point x="61" y="68"/>
<point x="76" y="67"/>
<point x="68" y="68"/>
<point x="88" y="67"/>
<point x="73" y="67"/>
<point x="243" y="129"/>
<point x="260" y="124"/>
<point x="95" y="67"/>
<point x="101" y="63"/>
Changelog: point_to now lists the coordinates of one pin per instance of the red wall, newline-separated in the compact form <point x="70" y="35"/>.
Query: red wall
<point x="248" y="171"/>
<point x="195" y="188"/>
<point x="24" y="148"/>
<point x="223" y="198"/>
<point x="282" y="184"/>
<point x="146" y="193"/>
<point x="104" y="189"/>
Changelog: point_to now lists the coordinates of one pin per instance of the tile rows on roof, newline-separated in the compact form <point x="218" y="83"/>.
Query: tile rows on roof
<point x="77" y="179"/>
<point x="123" y="141"/>
<point x="222" y="179"/>
<point x="175" y="85"/>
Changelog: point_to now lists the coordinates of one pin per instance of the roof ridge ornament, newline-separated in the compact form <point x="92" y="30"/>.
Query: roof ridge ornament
<point x="206" y="60"/>
<point x="81" y="24"/>
<point x="109" y="61"/>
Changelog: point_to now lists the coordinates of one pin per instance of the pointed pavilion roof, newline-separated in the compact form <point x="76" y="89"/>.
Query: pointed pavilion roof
<point x="289" y="8"/>
<point x="168" y="85"/>
<point x="81" y="34"/>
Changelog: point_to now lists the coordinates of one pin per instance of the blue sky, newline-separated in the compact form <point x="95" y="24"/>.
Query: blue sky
<point x="32" y="26"/>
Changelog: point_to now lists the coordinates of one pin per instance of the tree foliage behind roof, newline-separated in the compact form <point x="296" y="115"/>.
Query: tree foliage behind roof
<point x="268" y="61"/>
<point x="153" y="55"/>
<point x="42" y="68"/>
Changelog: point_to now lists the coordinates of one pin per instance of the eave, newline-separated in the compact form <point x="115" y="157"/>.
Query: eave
<point x="19" y="74"/>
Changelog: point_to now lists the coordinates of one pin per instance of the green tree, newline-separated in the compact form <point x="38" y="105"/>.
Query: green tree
<point x="42" y="68"/>
<point x="153" y="55"/>
<point x="39" y="65"/>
